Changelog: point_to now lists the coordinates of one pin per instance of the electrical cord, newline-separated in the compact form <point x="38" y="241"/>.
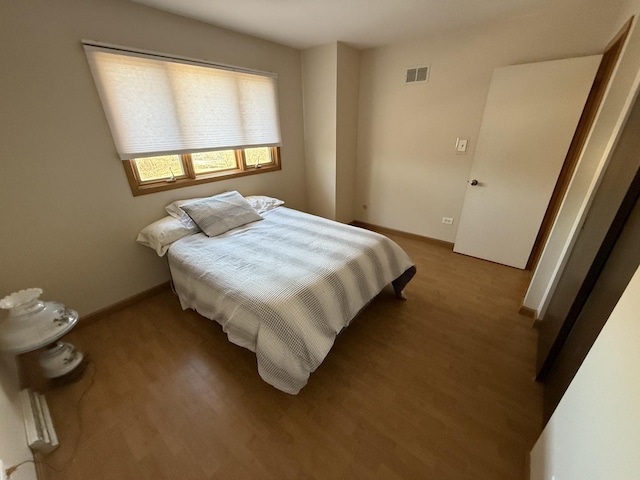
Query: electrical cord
<point x="10" y="471"/>
<point x="68" y="462"/>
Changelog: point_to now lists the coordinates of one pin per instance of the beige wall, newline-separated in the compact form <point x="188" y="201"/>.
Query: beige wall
<point x="69" y="221"/>
<point x="319" y="67"/>
<point x="408" y="173"/>
<point x="331" y="76"/>
<point x="628" y="8"/>
<point x="348" y="82"/>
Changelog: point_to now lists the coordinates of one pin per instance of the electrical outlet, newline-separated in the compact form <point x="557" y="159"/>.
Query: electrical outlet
<point x="447" y="220"/>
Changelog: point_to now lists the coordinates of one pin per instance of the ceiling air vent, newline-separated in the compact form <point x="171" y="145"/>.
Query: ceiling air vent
<point x="417" y="74"/>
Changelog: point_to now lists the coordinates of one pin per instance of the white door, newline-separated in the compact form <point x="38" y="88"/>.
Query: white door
<point x="531" y="115"/>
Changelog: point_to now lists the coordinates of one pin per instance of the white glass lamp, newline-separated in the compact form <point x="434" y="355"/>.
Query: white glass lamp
<point x="33" y="324"/>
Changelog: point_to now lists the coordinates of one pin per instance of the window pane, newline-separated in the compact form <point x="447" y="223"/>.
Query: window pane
<point x="208" y="162"/>
<point x="159" y="168"/>
<point x="257" y="156"/>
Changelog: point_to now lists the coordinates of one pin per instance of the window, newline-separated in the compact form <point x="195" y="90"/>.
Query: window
<point x="177" y="122"/>
<point x="154" y="174"/>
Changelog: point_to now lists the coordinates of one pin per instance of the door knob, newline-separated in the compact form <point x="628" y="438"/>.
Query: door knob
<point x="474" y="182"/>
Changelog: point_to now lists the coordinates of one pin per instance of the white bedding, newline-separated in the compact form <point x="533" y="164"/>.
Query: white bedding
<point x="285" y="286"/>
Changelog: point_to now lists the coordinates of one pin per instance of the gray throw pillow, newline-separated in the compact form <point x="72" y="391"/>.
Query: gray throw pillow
<point x="221" y="213"/>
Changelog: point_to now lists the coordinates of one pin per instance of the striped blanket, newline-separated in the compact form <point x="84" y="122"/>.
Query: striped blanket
<point x="285" y="286"/>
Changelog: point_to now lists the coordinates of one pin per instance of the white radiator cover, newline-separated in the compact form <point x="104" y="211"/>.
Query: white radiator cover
<point x="38" y="424"/>
<point x="13" y="441"/>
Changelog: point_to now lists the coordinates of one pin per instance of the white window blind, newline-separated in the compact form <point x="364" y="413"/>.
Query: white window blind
<point x="157" y="105"/>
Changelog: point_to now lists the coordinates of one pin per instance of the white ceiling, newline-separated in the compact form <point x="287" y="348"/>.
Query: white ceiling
<point x="359" y="23"/>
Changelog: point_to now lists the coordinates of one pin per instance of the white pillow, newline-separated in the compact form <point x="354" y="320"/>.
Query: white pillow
<point x="161" y="234"/>
<point x="262" y="203"/>
<point x="220" y="213"/>
<point x="174" y="209"/>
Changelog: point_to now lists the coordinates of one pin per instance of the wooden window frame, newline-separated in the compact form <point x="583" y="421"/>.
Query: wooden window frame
<point x="139" y="187"/>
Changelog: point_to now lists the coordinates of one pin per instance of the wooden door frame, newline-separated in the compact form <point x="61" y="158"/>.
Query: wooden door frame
<point x="592" y="105"/>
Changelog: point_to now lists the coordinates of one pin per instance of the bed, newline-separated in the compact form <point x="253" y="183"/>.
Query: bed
<point x="282" y="285"/>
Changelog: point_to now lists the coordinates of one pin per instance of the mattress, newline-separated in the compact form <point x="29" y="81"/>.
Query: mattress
<point x="285" y="286"/>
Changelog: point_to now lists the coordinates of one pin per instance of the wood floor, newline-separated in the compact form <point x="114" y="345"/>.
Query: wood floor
<point x="438" y="387"/>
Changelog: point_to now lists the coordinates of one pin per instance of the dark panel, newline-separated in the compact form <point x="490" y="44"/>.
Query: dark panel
<point x="580" y="274"/>
<point x="616" y="273"/>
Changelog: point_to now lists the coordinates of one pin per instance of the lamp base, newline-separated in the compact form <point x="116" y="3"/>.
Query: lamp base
<point x="58" y="359"/>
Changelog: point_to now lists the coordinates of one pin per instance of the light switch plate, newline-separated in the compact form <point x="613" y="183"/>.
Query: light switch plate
<point x="462" y="144"/>
<point x="3" y="473"/>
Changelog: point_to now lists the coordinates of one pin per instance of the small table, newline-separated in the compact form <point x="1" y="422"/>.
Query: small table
<point x="33" y="324"/>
